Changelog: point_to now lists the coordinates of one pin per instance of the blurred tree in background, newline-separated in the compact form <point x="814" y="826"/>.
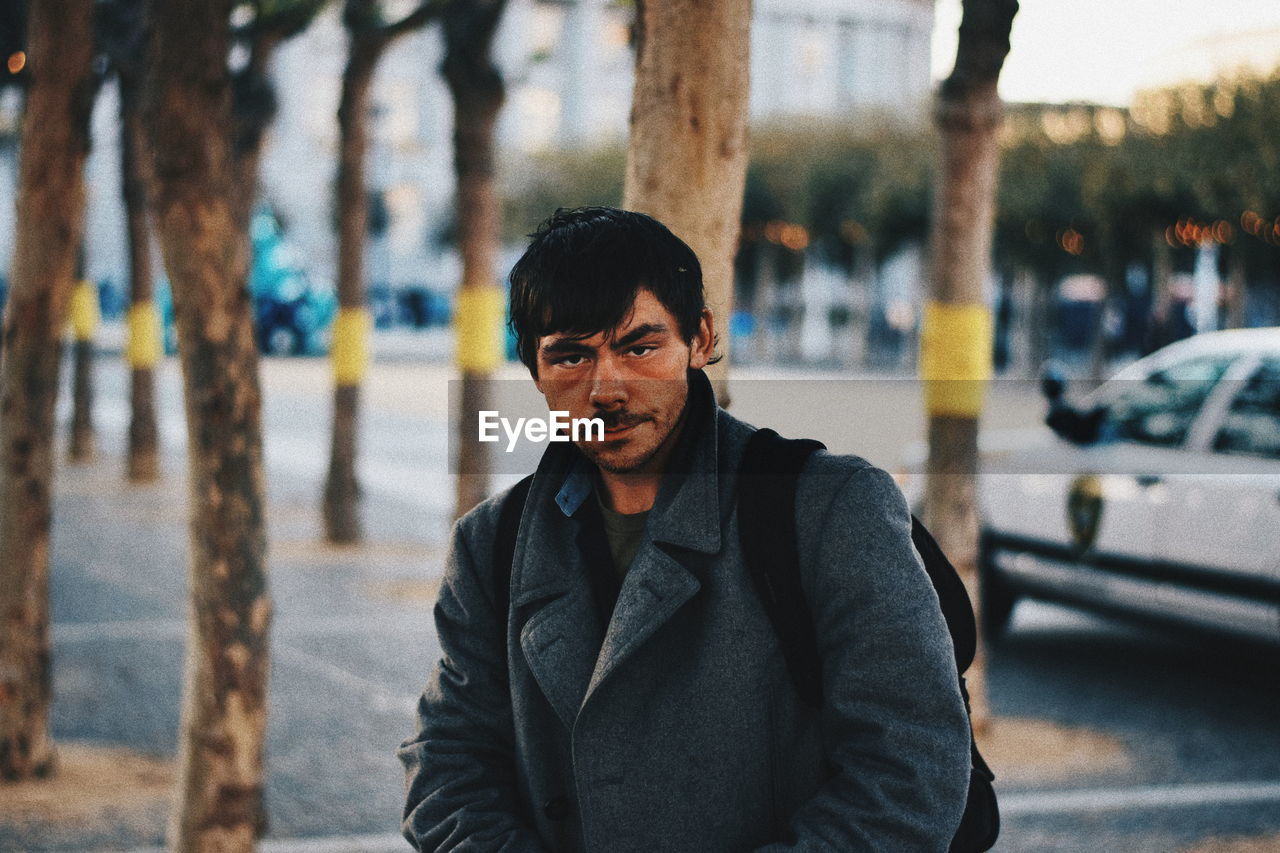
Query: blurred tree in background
<point x="478" y="90"/>
<point x="687" y="151"/>
<point x="83" y="321"/>
<point x="122" y="39"/>
<point x="369" y="34"/>
<point x="258" y="28"/>
<point x="206" y="105"/>
<point x="956" y="336"/>
<point x="1083" y="189"/>
<point x="61" y="88"/>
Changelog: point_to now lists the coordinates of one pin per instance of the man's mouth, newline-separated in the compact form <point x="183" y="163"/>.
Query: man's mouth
<point x="616" y="426"/>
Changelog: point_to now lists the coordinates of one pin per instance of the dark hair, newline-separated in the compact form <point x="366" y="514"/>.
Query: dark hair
<point x="583" y="268"/>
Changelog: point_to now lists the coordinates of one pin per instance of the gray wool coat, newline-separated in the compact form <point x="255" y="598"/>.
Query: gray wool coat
<point x="675" y="727"/>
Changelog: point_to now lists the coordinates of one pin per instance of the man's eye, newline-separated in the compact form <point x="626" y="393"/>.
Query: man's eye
<point x="642" y="349"/>
<point x="570" y="360"/>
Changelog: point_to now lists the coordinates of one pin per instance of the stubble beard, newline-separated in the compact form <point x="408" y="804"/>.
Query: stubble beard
<point x="599" y="456"/>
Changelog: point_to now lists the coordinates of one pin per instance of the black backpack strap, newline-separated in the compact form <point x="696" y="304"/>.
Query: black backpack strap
<point x="953" y="598"/>
<point x="767" y="482"/>
<point x="504" y="544"/>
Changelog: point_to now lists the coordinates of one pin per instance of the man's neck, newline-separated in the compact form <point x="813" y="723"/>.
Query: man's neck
<point x="630" y="493"/>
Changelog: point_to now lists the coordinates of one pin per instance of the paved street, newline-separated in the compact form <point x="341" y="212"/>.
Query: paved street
<point x="352" y="638"/>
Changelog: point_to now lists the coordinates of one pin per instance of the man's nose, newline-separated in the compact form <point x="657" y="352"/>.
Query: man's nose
<point x="608" y="390"/>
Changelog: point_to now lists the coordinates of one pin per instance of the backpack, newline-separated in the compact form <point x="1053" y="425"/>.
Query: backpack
<point x="766" y="523"/>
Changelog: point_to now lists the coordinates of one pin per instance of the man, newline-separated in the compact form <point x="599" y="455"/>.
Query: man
<point x="627" y="691"/>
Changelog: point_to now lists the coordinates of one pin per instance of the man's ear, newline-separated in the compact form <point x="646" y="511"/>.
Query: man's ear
<point x="702" y="347"/>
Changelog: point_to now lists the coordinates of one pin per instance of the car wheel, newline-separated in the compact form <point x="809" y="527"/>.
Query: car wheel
<point x="998" y="598"/>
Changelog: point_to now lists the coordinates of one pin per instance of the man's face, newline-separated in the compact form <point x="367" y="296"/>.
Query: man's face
<point x="633" y="377"/>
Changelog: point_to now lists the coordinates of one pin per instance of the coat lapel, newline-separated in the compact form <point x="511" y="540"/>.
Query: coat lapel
<point x="549" y="581"/>
<point x="560" y="642"/>
<point x="654" y="589"/>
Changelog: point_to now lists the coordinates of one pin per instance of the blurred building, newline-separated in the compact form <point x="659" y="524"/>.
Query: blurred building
<point x="569" y="71"/>
<point x="572" y="64"/>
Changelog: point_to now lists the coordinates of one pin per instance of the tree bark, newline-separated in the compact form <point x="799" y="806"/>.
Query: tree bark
<point x="84" y="328"/>
<point x="368" y="40"/>
<point x="50" y="222"/>
<point x="687" y="156"/>
<point x="143" y="464"/>
<point x="81" y="447"/>
<point x="342" y="488"/>
<point x="478" y="91"/>
<point x="956" y="354"/>
<point x="253" y="108"/>
<point x="189" y="119"/>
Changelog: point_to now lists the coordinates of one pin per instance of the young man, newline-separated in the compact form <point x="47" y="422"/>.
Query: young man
<point x="627" y="691"/>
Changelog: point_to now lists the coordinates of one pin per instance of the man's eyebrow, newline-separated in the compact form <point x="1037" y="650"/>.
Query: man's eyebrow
<point x="641" y="331"/>
<point x="562" y="345"/>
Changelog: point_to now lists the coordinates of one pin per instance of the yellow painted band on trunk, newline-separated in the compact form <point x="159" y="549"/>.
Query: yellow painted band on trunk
<point x="143" y="348"/>
<point x="955" y="358"/>
<point x="478" y="324"/>
<point x="350" y="353"/>
<point x="84" y="310"/>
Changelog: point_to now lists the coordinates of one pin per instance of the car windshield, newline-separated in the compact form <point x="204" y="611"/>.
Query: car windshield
<point x="1252" y="423"/>
<point x="1160" y="408"/>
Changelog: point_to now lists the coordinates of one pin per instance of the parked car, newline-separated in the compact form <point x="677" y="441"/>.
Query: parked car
<point x="293" y="312"/>
<point x="1156" y="496"/>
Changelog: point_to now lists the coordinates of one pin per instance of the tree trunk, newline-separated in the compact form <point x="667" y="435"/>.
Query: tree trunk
<point x="478" y="92"/>
<point x="84" y="327"/>
<point x="955" y="358"/>
<point x="350" y="343"/>
<point x="687" y="157"/>
<point x="144" y="348"/>
<point x="50" y="221"/>
<point x="206" y="252"/>
<point x="369" y="38"/>
<point x="81" y="448"/>
<point x="252" y="112"/>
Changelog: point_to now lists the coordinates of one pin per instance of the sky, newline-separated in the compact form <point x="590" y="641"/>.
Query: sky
<point x="1102" y="50"/>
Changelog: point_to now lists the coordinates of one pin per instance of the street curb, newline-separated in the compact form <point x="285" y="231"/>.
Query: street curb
<point x="387" y="842"/>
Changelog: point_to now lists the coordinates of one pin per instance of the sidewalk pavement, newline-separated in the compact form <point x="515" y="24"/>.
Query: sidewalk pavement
<point x="352" y="643"/>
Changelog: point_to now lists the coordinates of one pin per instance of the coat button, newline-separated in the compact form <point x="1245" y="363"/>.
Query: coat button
<point x="557" y="808"/>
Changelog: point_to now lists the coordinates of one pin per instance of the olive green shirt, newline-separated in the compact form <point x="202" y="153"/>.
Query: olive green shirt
<point x="625" y="533"/>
